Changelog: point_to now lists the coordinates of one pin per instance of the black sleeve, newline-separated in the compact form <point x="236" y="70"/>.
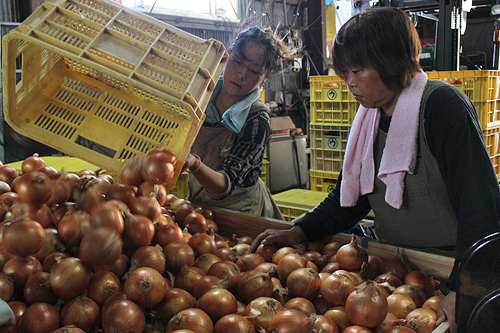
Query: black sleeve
<point x="330" y="218"/>
<point x="455" y="138"/>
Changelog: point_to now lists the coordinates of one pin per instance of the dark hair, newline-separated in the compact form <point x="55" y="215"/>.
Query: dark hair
<point x="383" y="38"/>
<point x="276" y="49"/>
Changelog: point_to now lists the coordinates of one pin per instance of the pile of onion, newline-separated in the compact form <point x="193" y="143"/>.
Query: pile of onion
<point x="90" y="252"/>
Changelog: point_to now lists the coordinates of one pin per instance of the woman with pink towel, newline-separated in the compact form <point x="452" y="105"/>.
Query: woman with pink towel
<point x="415" y="154"/>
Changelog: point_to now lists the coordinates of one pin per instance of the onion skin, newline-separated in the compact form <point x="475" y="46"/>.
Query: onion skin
<point x="123" y="316"/>
<point x="145" y="286"/>
<point x="422" y="320"/>
<point x="39" y="317"/>
<point x="233" y="323"/>
<point x="193" y="319"/>
<point x="103" y="285"/>
<point x="351" y="256"/>
<point x="366" y="307"/>
<point x="217" y="303"/>
<point x="70" y="278"/>
<point x="82" y="312"/>
<point x="303" y="282"/>
<point x="175" y="301"/>
<point x="261" y="310"/>
<point x="291" y="321"/>
<point x="301" y="304"/>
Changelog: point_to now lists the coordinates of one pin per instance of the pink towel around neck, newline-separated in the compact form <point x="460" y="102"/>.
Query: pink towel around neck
<point x="400" y="152"/>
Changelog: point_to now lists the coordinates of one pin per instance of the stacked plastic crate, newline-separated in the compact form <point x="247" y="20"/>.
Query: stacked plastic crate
<point x="332" y="111"/>
<point x="483" y="89"/>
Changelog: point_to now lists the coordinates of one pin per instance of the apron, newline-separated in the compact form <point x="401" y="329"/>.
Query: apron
<point x="213" y="146"/>
<point x="426" y="218"/>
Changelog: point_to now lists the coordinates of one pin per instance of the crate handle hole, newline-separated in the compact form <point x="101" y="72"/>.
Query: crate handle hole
<point x="103" y="150"/>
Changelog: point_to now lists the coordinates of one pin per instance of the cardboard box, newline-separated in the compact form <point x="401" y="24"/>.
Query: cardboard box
<point x="281" y="126"/>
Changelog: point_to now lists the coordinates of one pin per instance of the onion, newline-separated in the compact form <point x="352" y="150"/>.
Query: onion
<point x="421" y="320"/>
<point x="400" y="329"/>
<point x="30" y="232"/>
<point x="366" y="307"/>
<point x="101" y="246"/>
<point x="53" y="259"/>
<point x="106" y="214"/>
<point x="390" y="322"/>
<point x="283" y="251"/>
<point x="118" y="267"/>
<point x="414" y="292"/>
<point x="226" y="254"/>
<point x="227" y="272"/>
<point x="123" y="316"/>
<point x="205" y="284"/>
<point x="32" y="163"/>
<point x="146" y="205"/>
<point x="183" y="210"/>
<point x="266" y="267"/>
<point x="317" y="258"/>
<point x="261" y="310"/>
<point x="324" y="324"/>
<point x="70" y="278"/>
<point x="6" y="287"/>
<point x="195" y="223"/>
<point x="240" y="249"/>
<point x="178" y="254"/>
<point x="202" y="243"/>
<point x="351" y="256"/>
<point x="103" y="285"/>
<point x="291" y="321"/>
<point x="234" y="323"/>
<point x="158" y="168"/>
<point x="419" y="279"/>
<point x="400" y="305"/>
<point x="206" y="260"/>
<point x="433" y="302"/>
<point x="253" y="284"/>
<point x="20" y="269"/>
<point x="301" y="304"/>
<point x="18" y="308"/>
<point x="289" y="263"/>
<point x="266" y="251"/>
<point x="39" y="317"/>
<point x="356" y="329"/>
<point x="187" y="278"/>
<point x="303" y="282"/>
<point x="131" y="171"/>
<point x="145" y="286"/>
<point x="217" y="303"/>
<point x="38" y="289"/>
<point x="396" y="267"/>
<point x="336" y="288"/>
<point x="8" y="174"/>
<point x="139" y="231"/>
<point x="82" y="312"/>
<point x="330" y="267"/>
<point x="53" y="243"/>
<point x="392" y="280"/>
<point x="166" y="234"/>
<point x="71" y="226"/>
<point x="175" y="301"/>
<point x="249" y="261"/>
<point x="149" y="256"/>
<point x="193" y="319"/>
<point x="321" y="305"/>
<point x="123" y="192"/>
<point x="150" y="189"/>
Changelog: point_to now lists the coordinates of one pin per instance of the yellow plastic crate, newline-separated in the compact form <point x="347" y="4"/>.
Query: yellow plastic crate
<point x="293" y="203"/>
<point x="323" y="181"/>
<point x="482" y="88"/>
<point x="180" y="189"/>
<point x="328" y="144"/>
<point x="265" y="173"/>
<point x="331" y="101"/>
<point x="104" y="83"/>
<point x="71" y="164"/>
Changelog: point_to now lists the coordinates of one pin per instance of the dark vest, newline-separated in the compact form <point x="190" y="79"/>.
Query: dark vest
<point x="426" y="218"/>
